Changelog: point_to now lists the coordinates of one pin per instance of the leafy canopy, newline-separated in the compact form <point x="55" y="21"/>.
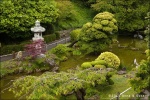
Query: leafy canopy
<point x="52" y="85"/>
<point x="18" y="16"/>
<point x="142" y="78"/>
<point x="129" y="13"/>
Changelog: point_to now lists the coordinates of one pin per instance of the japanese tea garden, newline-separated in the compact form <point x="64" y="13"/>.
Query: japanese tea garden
<point x="75" y="50"/>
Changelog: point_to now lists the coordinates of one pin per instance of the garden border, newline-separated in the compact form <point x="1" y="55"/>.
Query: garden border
<point x="48" y="47"/>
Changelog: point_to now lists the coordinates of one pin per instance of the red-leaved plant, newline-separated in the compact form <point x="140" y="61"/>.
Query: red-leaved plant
<point x="35" y="48"/>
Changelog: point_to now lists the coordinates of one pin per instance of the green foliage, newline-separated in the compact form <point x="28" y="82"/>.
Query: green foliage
<point x="61" y="51"/>
<point x="52" y="85"/>
<point x="57" y="35"/>
<point x="95" y="36"/>
<point x="49" y="38"/>
<point x="86" y="65"/>
<point x="147" y="31"/>
<point x="18" y="16"/>
<point x="91" y="91"/>
<point x="129" y="14"/>
<point x="72" y="14"/>
<point x="7" y="49"/>
<point x="98" y="62"/>
<point x="111" y="59"/>
<point x="76" y="52"/>
<point x="141" y="81"/>
<point x="75" y="34"/>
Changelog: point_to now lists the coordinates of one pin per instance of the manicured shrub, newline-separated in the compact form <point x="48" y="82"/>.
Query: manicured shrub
<point x="111" y="59"/>
<point x="86" y="65"/>
<point x="104" y="22"/>
<point x="9" y="48"/>
<point x="98" y="62"/>
<point x="49" y="38"/>
<point x="75" y="34"/>
<point x="57" y="35"/>
<point x="61" y="50"/>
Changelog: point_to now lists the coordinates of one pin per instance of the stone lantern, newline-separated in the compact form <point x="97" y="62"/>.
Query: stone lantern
<point x="37" y="29"/>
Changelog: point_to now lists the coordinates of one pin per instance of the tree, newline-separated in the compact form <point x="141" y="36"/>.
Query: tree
<point x="142" y="78"/>
<point x="18" y="16"/>
<point x="52" y="85"/>
<point x="147" y="31"/>
<point x="98" y="34"/>
<point x="129" y="13"/>
<point x="35" y="48"/>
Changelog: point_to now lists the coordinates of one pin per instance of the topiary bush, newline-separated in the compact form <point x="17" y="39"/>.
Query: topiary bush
<point x="97" y="35"/>
<point x="111" y="59"/>
<point x="75" y="34"/>
<point x="49" y="38"/>
<point x="61" y="51"/>
<point x="7" y="49"/>
<point x="86" y="65"/>
<point x="98" y="62"/>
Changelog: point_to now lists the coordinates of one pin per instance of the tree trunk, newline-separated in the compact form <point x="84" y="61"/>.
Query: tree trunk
<point x="80" y="94"/>
<point x="71" y="45"/>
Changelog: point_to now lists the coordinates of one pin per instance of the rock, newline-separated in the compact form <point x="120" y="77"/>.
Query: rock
<point x="38" y="70"/>
<point x="121" y="72"/>
<point x="55" y="69"/>
<point x="51" y="62"/>
<point x="110" y="69"/>
<point x="41" y="56"/>
<point x="19" y="55"/>
<point x="29" y="71"/>
<point x="21" y="69"/>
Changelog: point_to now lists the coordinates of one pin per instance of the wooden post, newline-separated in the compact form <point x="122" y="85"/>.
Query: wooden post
<point x="13" y="54"/>
<point x="118" y="94"/>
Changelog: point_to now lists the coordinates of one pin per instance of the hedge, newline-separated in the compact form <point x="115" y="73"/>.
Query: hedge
<point x="8" y="49"/>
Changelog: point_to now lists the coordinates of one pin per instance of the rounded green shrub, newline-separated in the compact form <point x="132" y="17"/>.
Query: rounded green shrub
<point x="61" y="50"/>
<point x="97" y="26"/>
<point x="86" y="65"/>
<point x="75" y="34"/>
<point x="111" y="59"/>
<point x="98" y="62"/>
<point x="104" y="22"/>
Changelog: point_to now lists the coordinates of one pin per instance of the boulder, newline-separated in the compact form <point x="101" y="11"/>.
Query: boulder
<point x="121" y="72"/>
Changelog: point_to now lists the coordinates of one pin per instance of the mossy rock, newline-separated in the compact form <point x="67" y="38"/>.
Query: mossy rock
<point x="86" y="65"/>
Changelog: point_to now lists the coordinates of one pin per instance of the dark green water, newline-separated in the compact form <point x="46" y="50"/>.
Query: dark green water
<point x="126" y="56"/>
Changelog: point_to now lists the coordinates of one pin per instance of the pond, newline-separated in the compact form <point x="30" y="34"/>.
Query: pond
<point x="131" y="49"/>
